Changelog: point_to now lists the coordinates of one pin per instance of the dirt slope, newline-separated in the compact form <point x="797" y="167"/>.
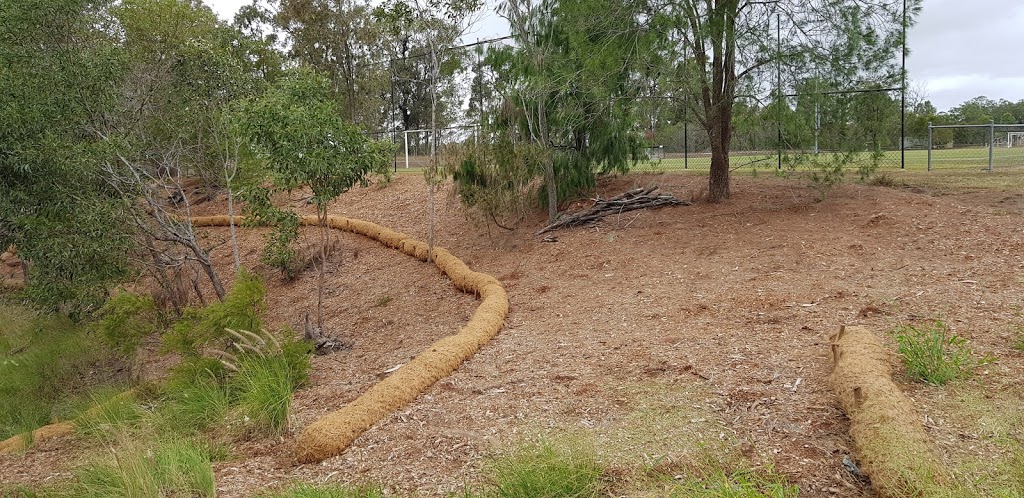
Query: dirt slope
<point x="731" y="303"/>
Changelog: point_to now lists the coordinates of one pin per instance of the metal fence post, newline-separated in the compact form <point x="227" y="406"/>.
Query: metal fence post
<point x="406" y="149"/>
<point x="929" y="146"/>
<point x="991" y="142"/>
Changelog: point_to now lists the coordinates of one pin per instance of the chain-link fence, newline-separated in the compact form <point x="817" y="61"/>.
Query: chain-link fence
<point x="860" y="129"/>
<point x="976" y="147"/>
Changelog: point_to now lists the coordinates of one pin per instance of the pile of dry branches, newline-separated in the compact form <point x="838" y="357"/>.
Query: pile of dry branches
<point x="638" y="198"/>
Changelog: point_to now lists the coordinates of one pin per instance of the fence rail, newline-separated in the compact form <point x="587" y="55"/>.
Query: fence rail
<point x="978" y="145"/>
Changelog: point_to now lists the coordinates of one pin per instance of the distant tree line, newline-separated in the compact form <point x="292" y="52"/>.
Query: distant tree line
<point x="120" y="112"/>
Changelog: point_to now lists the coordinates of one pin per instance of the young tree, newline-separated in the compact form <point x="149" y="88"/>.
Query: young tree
<point x="740" y="42"/>
<point x="297" y="132"/>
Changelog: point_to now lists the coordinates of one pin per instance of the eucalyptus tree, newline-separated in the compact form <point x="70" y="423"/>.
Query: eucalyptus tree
<point x="185" y="67"/>
<point x="297" y="132"/>
<point x="745" y="44"/>
<point x="58" y="73"/>
<point x="341" y="39"/>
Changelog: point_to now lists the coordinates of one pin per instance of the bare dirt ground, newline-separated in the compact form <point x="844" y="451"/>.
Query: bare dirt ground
<point x="651" y="332"/>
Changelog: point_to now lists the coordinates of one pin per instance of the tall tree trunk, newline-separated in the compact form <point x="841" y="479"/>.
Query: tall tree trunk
<point x="324" y="241"/>
<point x="433" y="152"/>
<point x="231" y="216"/>
<point x="549" y="163"/>
<point x="721" y="139"/>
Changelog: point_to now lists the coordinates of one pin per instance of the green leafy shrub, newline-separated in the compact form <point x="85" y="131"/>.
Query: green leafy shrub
<point x="242" y="308"/>
<point x="178" y="467"/>
<point x="935" y="356"/>
<point x="493" y="180"/>
<point x="544" y="470"/>
<point x="125" y="319"/>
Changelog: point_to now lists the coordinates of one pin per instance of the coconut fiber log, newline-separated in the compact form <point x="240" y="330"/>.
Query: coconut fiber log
<point x="892" y="446"/>
<point x="21" y="441"/>
<point x="332" y="434"/>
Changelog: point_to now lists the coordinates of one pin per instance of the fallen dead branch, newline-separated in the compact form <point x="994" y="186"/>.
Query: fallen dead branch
<point x="638" y="198"/>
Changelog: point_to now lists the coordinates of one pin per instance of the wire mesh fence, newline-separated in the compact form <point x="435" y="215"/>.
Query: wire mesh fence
<point x="975" y="147"/>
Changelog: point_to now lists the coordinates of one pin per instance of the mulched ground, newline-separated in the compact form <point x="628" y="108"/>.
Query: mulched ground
<point x="731" y="304"/>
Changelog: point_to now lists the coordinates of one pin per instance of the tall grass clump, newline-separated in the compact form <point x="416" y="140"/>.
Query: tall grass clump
<point x="262" y="391"/>
<point x="111" y="414"/>
<point x="248" y="390"/>
<point x="176" y="467"/>
<point x="265" y="375"/>
<point x="934" y="355"/>
<point x="47" y="363"/>
<point x="543" y="470"/>
<point x="242" y="308"/>
<point x="195" y="397"/>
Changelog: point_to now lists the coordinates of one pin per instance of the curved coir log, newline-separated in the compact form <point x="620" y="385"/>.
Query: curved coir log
<point x="892" y="446"/>
<point x="21" y="442"/>
<point x="332" y="434"/>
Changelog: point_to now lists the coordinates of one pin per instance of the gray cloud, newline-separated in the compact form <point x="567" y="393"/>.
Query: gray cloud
<point x="962" y="49"/>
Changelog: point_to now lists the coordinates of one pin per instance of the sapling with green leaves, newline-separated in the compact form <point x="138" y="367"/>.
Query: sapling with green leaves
<point x="298" y="134"/>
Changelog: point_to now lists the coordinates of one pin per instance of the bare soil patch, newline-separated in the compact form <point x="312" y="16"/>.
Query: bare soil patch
<point x="720" y="313"/>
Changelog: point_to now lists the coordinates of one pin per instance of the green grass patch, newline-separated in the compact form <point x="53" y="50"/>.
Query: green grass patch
<point x="991" y="463"/>
<point x="934" y="355"/>
<point x="112" y="413"/>
<point x="1018" y="342"/>
<point x="178" y="467"/>
<point x="327" y="491"/>
<point x="546" y="470"/>
<point x="248" y="392"/>
<point x="712" y="477"/>
<point x="195" y="397"/>
<point x="48" y="366"/>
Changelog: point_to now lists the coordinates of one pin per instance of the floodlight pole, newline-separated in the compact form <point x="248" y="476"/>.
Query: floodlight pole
<point x="929" y="146"/>
<point x="991" y="142"/>
<point x="903" y="95"/>
<point x="394" y="127"/>
<point x="778" y="90"/>
<point x="686" y="111"/>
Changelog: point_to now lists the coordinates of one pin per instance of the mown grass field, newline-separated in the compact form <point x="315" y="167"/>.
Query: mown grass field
<point x="964" y="159"/>
<point x="914" y="160"/>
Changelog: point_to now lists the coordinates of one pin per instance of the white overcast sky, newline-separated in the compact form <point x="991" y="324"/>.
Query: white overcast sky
<point x="959" y="49"/>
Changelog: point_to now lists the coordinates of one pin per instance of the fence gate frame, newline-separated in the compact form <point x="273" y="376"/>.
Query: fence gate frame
<point x="991" y="137"/>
